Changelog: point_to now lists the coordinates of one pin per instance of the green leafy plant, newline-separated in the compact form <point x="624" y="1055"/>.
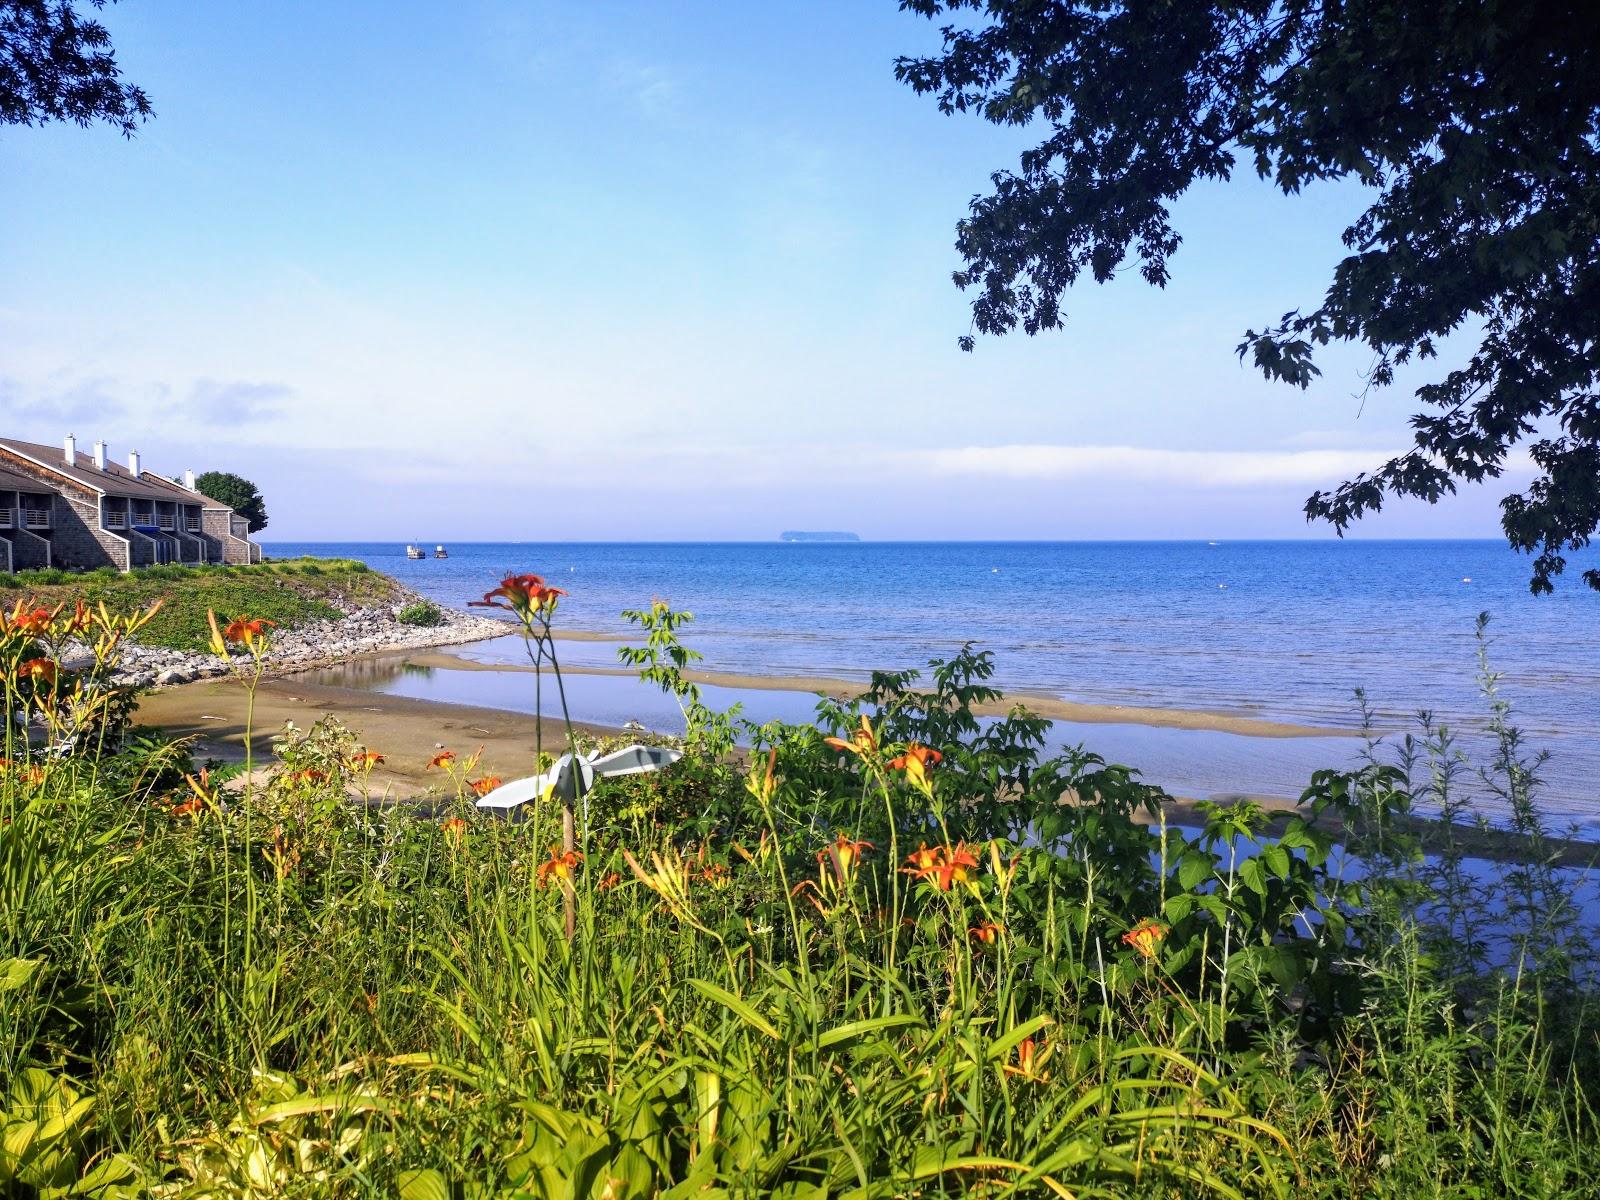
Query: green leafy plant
<point x="421" y="613"/>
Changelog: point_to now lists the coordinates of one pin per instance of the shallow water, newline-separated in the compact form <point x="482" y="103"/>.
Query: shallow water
<point x="1279" y="630"/>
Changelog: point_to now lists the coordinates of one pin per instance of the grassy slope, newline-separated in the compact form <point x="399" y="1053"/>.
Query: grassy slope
<point x="291" y="593"/>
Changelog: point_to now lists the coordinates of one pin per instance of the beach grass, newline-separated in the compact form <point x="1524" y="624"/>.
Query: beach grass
<point x="290" y="592"/>
<point x="885" y="960"/>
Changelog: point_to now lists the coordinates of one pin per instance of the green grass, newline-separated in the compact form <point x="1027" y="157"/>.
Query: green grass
<point x="277" y="992"/>
<point x="289" y="592"/>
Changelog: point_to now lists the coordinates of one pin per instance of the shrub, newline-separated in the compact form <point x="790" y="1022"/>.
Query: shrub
<point x="422" y="613"/>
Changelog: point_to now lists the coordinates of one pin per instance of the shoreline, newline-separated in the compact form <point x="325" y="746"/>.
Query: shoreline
<point x="1053" y="707"/>
<point x="359" y="632"/>
<point x="408" y="732"/>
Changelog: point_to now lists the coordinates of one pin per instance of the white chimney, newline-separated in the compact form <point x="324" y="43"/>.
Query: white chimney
<point x="71" y="448"/>
<point x="188" y="480"/>
<point x="133" y="464"/>
<point x="100" y="456"/>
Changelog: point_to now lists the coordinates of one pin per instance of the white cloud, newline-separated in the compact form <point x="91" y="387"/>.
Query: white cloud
<point x="652" y="88"/>
<point x="1204" y="468"/>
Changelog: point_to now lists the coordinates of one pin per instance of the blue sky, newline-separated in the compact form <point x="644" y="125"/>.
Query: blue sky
<point x="634" y="270"/>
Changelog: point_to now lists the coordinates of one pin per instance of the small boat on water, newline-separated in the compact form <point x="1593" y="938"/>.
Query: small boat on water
<point x="415" y="552"/>
<point x="440" y="552"/>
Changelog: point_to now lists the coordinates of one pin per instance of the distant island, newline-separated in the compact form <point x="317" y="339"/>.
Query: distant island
<point x="811" y="535"/>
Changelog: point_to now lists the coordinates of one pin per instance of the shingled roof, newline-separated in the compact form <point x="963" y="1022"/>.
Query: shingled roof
<point x="115" y="480"/>
<point x="12" y="482"/>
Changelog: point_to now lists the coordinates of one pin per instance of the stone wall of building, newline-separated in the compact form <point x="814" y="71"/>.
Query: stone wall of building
<point x="191" y="548"/>
<point x="218" y="525"/>
<point x="80" y="543"/>
<point x="28" y="550"/>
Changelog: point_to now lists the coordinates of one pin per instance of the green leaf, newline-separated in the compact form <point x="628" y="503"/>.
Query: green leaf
<point x="1253" y="875"/>
<point x="740" y="1008"/>
<point x="16" y="972"/>
<point x="422" y="1185"/>
<point x="1194" y="870"/>
<point x="1003" y="1046"/>
<point x="1276" y="859"/>
<point x="855" y="1029"/>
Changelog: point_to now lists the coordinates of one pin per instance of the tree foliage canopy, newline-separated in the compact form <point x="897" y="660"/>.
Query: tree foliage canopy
<point x="57" y="65"/>
<point x="1473" y="121"/>
<point x="238" y="493"/>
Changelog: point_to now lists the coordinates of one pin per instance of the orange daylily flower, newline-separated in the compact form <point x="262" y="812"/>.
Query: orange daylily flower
<point x="986" y="932"/>
<point x="204" y="795"/>
<point x="309" y="775"/>
<point x="919" y="860"/>
<point x="251" y="633"/>
<point x="915" y="763"/>
<point x="82" y="618"/>
<point x="40" y="672"/>
<point x="560" y="867"/>
<point x="30" y="621"/>
<point x="29" y="773"/>
<point x="863" y="741"/>
<point x="443" y="759"/>
<point x="610" y="881"/>
<point x="1145" y="937"/>
<point x="923" y="755"/>
<point x="844" y="856"/>
<point x="245" y="631"/>
<point x="944" y="866"/>
<point x="482" y="787"/>
<point x="717" y="875"/>
<point x="365" y="760"/>
<point x="526" y="596"/>
<point x="455" y="827"/>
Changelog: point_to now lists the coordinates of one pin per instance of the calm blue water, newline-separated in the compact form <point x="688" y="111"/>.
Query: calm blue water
<point x="1282" y="630"/>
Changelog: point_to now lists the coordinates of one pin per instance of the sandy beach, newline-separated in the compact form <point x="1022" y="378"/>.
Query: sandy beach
<point x="408" y="733"/>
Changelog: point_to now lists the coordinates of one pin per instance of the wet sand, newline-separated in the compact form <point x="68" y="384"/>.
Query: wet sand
<point x="409" y="732"/>
<point x="1053" y="707"/>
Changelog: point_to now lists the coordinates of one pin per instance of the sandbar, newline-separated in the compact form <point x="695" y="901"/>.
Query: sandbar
<point x="1053" y="707"/>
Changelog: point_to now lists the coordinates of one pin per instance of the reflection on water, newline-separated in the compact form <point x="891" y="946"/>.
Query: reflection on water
<point x="368" y="674"/>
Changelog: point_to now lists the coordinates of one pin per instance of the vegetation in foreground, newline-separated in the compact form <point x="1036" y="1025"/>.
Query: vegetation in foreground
<point x="903" y="956"/>
<point x="289" y="592"/>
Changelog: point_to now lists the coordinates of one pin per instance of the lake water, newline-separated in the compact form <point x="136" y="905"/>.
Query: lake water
<point x="1278" y="630"/>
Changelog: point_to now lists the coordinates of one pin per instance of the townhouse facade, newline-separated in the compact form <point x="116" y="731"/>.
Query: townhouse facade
<point x="60" y="507"/>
